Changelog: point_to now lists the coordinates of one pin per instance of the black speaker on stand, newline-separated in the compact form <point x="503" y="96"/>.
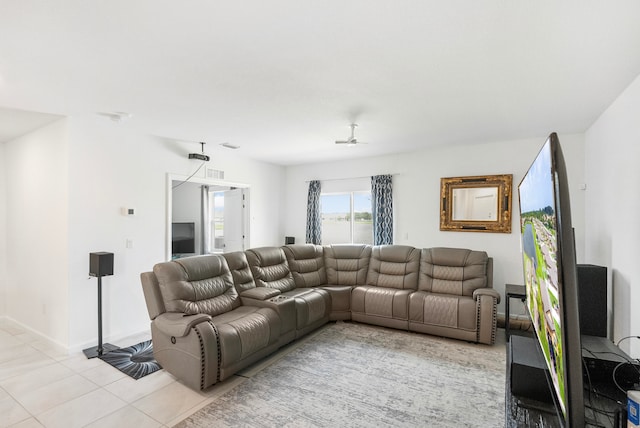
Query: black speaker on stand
<point x="100" y="264"/>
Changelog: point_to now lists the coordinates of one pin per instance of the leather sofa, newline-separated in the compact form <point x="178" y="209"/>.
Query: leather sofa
<point x="214" y="315"/>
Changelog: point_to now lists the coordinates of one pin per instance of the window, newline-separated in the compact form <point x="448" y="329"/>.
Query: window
<point x="217" y="222"/>
<point x="346" y="218"/>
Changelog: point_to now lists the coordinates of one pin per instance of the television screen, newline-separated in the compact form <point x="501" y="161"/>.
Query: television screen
<point x="548" y="256"/>
<point x="183" y="238"/>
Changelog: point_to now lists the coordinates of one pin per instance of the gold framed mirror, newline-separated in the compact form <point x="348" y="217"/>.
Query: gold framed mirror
<point x="476" y="203"/>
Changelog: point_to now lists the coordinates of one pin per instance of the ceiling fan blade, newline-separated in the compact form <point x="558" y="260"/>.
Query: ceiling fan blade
<point x="352" y="141"/>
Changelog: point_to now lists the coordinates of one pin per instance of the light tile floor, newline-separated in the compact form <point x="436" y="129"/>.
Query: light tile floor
<point x="42" y="387"/>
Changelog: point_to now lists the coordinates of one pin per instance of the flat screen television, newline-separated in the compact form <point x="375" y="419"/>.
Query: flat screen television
<point x="550" y="276"/>
<point x="183" y="238"/>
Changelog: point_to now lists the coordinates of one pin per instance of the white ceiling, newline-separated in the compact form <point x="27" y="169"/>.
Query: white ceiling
<point x="15" y="123"/>
<point x="283" y="79"/>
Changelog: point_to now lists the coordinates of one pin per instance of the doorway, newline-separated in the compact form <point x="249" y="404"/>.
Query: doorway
<point x="217" y="212"/>
<point x="222" y="219"/>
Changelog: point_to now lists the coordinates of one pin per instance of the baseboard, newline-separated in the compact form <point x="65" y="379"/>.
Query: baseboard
<point x="119" y="340"/>
<point x="55" y="346"/>
<point x="59" y="348"/>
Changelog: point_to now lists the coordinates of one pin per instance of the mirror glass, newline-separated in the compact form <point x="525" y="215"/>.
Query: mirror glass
<point x="476" y="203"/>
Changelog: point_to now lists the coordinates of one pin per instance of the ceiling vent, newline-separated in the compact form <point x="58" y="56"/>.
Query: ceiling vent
<point x="230" y="146"/>
<point x="215" y="174"/>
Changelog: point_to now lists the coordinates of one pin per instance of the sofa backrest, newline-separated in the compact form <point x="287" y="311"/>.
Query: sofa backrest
<point x="240" y="270"/>
<point x="270" y="268"/>
<point x="197" y="285"/>
<point x="346" y="264"/>
<point x="306" y="262"/>
<point x="455" y="271"/>
<point x="394" y="266"/>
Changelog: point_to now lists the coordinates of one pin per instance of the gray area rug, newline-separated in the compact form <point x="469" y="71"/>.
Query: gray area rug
<point x="356" y="375"/>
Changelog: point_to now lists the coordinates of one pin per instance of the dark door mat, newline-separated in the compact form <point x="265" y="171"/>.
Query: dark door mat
<point x="136" y="361"/>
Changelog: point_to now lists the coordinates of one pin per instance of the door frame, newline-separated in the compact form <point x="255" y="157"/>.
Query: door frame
<point x="170" y="178"/>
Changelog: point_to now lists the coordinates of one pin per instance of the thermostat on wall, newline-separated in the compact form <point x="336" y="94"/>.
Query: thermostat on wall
<point x="128" y="211"/>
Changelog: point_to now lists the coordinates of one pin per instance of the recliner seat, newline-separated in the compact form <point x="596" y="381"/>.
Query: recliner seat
<point x="203" y="313"/>
<point x="454" y="296"/>
<point x="391" y="278"/>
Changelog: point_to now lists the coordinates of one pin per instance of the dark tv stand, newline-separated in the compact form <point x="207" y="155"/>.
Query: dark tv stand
<point x="521" y="411"/>
<point x="525" y="411"/>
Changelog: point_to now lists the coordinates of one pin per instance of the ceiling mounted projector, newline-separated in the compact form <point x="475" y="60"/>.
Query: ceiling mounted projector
<point x="200" y="156"/>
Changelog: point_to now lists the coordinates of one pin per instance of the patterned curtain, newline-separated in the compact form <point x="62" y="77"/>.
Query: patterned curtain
<point x="314" y="219"/>
<point x="382" y="209"/>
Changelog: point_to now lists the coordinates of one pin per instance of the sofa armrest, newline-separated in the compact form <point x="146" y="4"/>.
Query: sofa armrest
<point x="260" y="293"/>
<point x="487" y="300"/>
<point x="177" y="324"/>
<point x="284" y="306"/>
<point x="486" y="292"/>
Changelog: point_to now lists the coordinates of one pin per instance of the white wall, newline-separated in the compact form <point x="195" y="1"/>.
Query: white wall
<point x="113" y="165"/>
<point x="3" y="234"/>
<point x="416" y="185"/>
<point x="613" y="206"/>
<point x="92" y="168"/>
<point x="36" y="190"/>
<point x="62" y="190"/>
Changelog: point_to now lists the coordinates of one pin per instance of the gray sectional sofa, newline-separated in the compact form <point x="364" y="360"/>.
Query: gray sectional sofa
<point x="213" y="315"/>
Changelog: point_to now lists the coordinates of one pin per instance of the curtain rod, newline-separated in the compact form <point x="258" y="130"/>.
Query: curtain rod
<point x="350" y="178"/>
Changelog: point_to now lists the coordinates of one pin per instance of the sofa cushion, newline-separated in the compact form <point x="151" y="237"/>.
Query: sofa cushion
<point x="197" y="285"/>
<point x="311" y="304"/>
<point x="340" y="297"/>
<point x="394" y="266"/>
<point x="381" y="302"/>
<point x="270" y="268"/>
<point x="443" y="310"/>
<point x="246" y="330"/>
<point x="306" y="262"/>
<point x="455" y="271"/>
<point x="346" y="264"/>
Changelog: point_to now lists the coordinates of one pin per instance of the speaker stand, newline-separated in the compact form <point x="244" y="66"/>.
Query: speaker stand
<point x="101" y="349"/>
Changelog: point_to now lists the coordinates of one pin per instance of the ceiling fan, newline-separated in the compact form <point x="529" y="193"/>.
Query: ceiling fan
<point x="351" y="141"/>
